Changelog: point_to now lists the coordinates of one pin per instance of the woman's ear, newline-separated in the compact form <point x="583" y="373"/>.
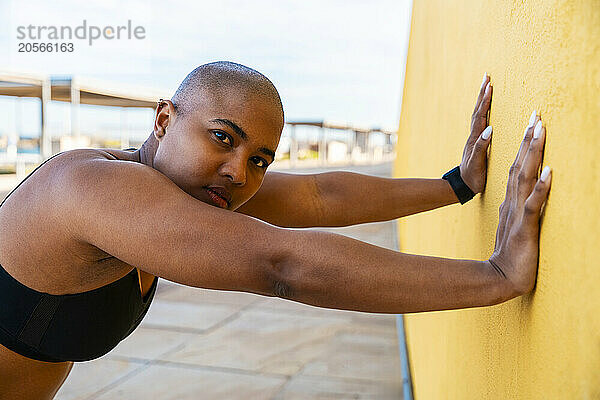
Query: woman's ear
<point x="163" y="115"/>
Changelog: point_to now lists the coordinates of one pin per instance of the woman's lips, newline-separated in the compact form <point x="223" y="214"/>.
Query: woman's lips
<point x="216" y="199"/>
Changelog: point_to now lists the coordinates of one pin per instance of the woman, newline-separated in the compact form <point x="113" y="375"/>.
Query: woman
<point x="85" y="236"/>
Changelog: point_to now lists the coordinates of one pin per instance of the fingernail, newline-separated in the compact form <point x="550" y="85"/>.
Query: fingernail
<point x="485" y="135"/>
<point x="483" y="81"/>
<point x="538" y="129"/>
<point x="532" y="119"/>
<point x="545" y="173"/>
<point x="487" y="88"/>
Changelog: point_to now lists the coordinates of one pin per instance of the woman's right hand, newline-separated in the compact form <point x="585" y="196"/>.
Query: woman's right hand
<point x="515" y="254"/>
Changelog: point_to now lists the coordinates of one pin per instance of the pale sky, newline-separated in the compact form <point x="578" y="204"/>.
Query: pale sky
<point x="335" y="60"/>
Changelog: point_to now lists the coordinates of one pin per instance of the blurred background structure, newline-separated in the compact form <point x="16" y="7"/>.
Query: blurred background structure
<point x="19" y="148"/>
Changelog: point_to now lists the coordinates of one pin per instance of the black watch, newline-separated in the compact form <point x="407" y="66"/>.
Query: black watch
<point x="463" y="192"/>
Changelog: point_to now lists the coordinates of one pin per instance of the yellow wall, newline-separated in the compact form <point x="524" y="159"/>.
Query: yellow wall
<point x="542" y="55"/>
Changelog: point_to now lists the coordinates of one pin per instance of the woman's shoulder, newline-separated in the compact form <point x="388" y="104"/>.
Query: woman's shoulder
<point x="92" y="153"/>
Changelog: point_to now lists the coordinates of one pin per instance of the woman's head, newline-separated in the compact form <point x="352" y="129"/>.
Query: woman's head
<point x="221" y="129"/>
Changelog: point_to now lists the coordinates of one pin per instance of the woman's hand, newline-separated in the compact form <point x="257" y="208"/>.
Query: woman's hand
<point x="473" y="167"/>
<point x="515" y="254"/>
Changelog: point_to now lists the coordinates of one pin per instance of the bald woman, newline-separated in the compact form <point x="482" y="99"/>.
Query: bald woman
<point x="85" y="236"/>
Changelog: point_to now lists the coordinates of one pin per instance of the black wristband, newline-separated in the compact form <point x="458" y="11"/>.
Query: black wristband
<point x="463" y="192"/>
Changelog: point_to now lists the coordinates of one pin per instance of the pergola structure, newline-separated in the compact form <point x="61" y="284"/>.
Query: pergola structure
<point x="360" y="137"/>
<point x="69" y="89"/>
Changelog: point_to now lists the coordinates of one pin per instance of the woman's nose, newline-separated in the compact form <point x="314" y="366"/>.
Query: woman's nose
<point x="235" y="170"/>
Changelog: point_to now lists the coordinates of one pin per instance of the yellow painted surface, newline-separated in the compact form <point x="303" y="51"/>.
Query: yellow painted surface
<point x="542" y="55"/>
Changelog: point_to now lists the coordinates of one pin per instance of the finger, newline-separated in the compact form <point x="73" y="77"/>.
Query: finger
<point x="502" y="220"/>
<point x="534" y="202"/>
<point x="528" y="135"/>
<point x="518" y="163"/>
<point x="512" y="185"/>
<point x="531" y="163"/>
<point x="483" y="142"/>
<point x="481" y="92"/>
<point x="479" y="119"/>
<point x="484" y="106"/>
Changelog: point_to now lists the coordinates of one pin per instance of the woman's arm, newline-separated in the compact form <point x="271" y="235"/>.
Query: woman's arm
<point x="342" y="198"/>
<point x="334" y="271"/>
<point x="350" y="198"/>
<point x="327" y="270"/>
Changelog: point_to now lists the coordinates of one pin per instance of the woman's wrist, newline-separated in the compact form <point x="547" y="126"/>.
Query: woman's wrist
<point x="449" y="193"/>
<point x="461" y="189"/>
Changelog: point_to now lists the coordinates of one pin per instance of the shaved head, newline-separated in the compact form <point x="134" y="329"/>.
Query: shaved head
<point x="225" y="121"/>
<point x="218" y="77"/>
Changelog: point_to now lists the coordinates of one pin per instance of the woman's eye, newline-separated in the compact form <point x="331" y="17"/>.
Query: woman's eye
<point x="261" y="163"/>
<point x="220" y="135"/>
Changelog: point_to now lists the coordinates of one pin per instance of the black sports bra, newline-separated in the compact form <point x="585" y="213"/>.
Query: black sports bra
<point x="72" y="327"/>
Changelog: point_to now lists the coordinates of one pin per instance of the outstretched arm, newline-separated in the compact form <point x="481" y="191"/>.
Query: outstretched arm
<point x="352" y="198"/>
<point x="343" y="198"/>
<point x="353" y="275"/>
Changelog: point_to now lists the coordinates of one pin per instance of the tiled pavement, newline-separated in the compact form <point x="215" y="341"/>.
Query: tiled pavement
<point x="209" y="344"/>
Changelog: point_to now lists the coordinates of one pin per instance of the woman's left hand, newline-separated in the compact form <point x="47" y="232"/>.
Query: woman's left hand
<point x="473" y="167"/>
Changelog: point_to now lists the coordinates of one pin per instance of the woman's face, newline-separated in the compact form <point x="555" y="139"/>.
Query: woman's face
<point x="226" y="142"/>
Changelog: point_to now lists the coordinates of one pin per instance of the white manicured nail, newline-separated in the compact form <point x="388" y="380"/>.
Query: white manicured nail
<point x="532" y="119"/>
<point x="486" y="133"/>
<point x="525" y="133"/>
<point x="483" y="81"/>
<point x="545" y="173"/>
<point x="538" y="129"/>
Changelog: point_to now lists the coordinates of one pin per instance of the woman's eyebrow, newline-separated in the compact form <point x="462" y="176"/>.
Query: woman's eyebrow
<point x="242" y="134"/>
